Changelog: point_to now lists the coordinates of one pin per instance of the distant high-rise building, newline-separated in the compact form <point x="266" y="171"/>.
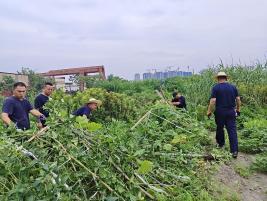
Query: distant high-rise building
<point x="179" y="73"/>
<point x="167" y="74"/>
<point x="147" y="76"/>
<point x="137" y="76"/>
<point x="172" y="73"/>
<point x="159" y="75"/>
<point x="186" y="74"/>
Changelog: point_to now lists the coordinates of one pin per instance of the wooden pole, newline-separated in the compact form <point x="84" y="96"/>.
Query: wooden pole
<point x="38" y="134"/>
<point x="141" y="119"/>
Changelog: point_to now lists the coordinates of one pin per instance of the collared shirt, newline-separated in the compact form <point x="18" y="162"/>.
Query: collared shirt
<point x="39" y="102"/>
<point x="18" y="111"/>
<point x="82" y="111"/>
<point x="181" y="100"/>
<point x="225" y="95"/>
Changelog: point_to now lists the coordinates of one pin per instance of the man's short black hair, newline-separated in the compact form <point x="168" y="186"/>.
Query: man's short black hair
<point x="174" y="94"/>
<point x="48" y="83"/>
<point x="19" y="84"/>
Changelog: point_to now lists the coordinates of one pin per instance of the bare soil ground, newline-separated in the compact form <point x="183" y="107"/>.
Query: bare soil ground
<point x="235" y="181"/>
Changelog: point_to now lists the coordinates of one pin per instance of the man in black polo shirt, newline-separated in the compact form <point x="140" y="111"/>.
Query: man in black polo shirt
<point x="178" y="100"/>
<point x="41" y="100"/>
<point x="227" y="106"/>
<point x="86" y="110"/>
<point x="16" y="108"/>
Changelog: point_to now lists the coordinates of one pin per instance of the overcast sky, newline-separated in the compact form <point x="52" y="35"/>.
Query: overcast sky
<point x="129" y="36"/>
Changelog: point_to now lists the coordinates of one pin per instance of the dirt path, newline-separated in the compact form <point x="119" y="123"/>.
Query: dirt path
<point x="235" y="182"/>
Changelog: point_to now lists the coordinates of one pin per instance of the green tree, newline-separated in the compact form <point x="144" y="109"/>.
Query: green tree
<point x="7" y="83"/>
<point x="36" y="81"/>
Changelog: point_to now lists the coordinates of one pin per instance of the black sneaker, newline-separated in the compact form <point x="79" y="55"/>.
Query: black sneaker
<point x="234" y="154"/>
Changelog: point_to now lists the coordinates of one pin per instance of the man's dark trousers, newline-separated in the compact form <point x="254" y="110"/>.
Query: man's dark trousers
<point x="226" y="118"/>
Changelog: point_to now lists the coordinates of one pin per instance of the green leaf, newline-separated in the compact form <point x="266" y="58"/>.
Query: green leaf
<point x="139" y="152"/>
<point x="145" y="167"/>
<point x="167" y="147"/>
<point x="37" y="182"/>
<point x="92" y="126"/>
<point x="112" y="198"/>
<point x="120" y="189"/>
<point x="45" y="167"/>
<point x="179" y="139"/>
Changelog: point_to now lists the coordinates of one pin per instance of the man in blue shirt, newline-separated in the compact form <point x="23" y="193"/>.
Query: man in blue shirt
<point x="178" y="100"/>
<point x="41" y="100"/>
<point x="91" y="105"/>
<point x="227" y="106"/>
<point x="16" y="108"/>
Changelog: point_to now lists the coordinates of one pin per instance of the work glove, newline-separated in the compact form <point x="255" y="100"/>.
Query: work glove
<point x="42" y="117"/>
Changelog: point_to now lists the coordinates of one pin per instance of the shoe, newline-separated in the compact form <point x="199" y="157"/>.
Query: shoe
<point x="234" y="154"/>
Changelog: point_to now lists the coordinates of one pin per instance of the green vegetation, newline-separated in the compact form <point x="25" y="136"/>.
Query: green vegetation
<point x="242" y="170"/>
<point x="36" y="81"/>
<point x="6" y="84"/>
<point x="261" y="163"/>
<point x="168" y="155"/>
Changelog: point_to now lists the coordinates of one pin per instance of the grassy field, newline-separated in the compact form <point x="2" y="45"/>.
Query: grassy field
<point x="168" y="155"/>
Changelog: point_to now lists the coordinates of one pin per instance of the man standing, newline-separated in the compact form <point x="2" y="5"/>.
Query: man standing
<point x="16" y="108"/>
<point x="178" y="100"/>
<point x="86" y="110"/>
<point x="227" y="106"/>
<point x="41" y="100"/>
